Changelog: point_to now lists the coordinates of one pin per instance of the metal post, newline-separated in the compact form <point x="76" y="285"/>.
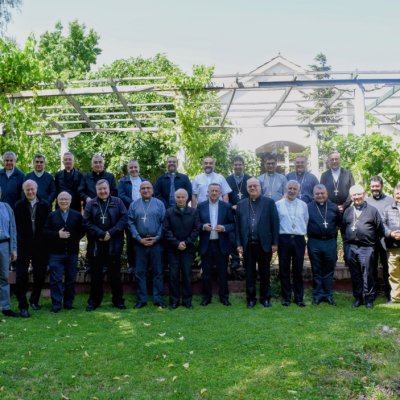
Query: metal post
<point x="63" y="148"/>
<point x="359" y="110"/>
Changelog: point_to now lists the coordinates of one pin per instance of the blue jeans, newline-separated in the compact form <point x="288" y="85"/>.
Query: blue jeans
<point x="62" y="265"/>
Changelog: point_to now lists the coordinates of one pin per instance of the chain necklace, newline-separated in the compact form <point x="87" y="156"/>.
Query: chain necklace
<point x="292" y="217"/>
<point x="239" y="188"/>
<point x="356" y="218"/>
<point x="253" y="219"/>
<point x="269" y="194"/>
<point x="103" y="214"/>
<point x="325" y="223"/>
<point x="336" y="183"/>
<point x="145" y="210"/>
<point x="300" y="183"/>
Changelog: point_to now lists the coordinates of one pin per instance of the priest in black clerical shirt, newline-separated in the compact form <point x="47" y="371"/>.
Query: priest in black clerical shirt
<point x="363" y="229"/>
<point x="324" y="221"/>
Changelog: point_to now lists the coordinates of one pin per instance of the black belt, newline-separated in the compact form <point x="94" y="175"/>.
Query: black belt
<point x="289" y="235"/>
<point x="321" y="237"/>
<point x="4" y="240"/>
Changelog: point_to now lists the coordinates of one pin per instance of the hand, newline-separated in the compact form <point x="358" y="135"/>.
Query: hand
<point x="395" y="235"/>
<point x="234" y="207"/>
<point x="182" y="246"/>
<point x="63" y="234"/>
<point x="88" y="199"/>
<point x="207" y="227"/>
<point x="107" y="237"/>
<point x="274" y="248"/>
<point x="341" y="208"/>
<point x="13" y="256"/>
<point x="240" y="250"/>
<point x="220" y="228"/>
<point x="149" y="241"/>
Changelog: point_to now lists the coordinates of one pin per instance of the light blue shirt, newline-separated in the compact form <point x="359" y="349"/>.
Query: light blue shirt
<point x="273" y="185"/>
<point x="136" y="182"/>
<point x="213" y="209"/>
<point x="293" y="216"/>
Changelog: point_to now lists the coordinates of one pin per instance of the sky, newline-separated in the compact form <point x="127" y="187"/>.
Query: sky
<point x="234" y="36"/>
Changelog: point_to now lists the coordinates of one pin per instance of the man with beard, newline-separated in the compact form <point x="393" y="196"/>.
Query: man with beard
<point x="257" y="230"/>
<point x="11" y="179"/>
<point x="363" y="229"/>
<point x="306" y="180"/>
<point x="272" y="184"/>
<point x="324" y="221"/>
<point x="380" y="201"/>
<point x="87" y="188"/>
<point x="168" y="183"/>
<point x="30" y="216"/>
<point x="105" y="219"/>
<point x="46" y="187"/>
<point x="68" y="180"/>
<point x="201" y="183"/>
<point x="238" y="182"/>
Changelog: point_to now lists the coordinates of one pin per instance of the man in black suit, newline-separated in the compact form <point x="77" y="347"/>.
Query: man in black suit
<point x="30" y="216"/>
<point x="257" y="232"/>
<point x="68" y="180"/>
<point x="64" y="230"/>
<point x="217" y="222"/>
<point x="168" y="183"/>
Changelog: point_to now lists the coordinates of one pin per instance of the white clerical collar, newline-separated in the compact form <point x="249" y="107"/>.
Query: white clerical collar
<point x="39" y="174"/>
<point x="33" y="202"/>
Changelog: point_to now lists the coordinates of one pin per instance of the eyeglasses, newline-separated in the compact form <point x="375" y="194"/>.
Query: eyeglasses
<point x="39" y="162"/>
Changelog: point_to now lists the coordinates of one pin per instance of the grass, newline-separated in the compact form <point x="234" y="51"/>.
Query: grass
<point x="320" y="352"/>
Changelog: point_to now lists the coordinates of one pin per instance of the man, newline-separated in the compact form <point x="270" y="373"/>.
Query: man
<point x="363" y="229"/>
<point x="306" y="180"/>
<point x="68" y="180"/>
<point x="168" y="183"/>
<point x="11" y="179"/>
<point x="337" y="181"/>
<point x="238" y="182"/>
<point x="30" y="216"/>
<point x="201" y="183"/>
<point x="391" y="222"/>
<point x="128" y="192"/>
<point x="293" y="219"/>
<point x="380" y="201"/>
<point x="63" y="230"/>
<point x="324" y="221"/>
<point x="181" y="229"/>
<point x="257" y="230"/>
<point x="145" y="219"/>
<point x="46" y="189"/>
<point x="8" y="252"/>
<point x="217" y="222"/>
<point x="272" y="184"/>
<point x="105" y="219"/>
<point x="87" y="189"/>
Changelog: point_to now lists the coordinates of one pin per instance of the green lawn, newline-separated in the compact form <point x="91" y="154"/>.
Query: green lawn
<point x="217" y="352"/>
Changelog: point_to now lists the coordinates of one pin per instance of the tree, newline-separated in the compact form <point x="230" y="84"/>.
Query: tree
<point x="5" y="12"/>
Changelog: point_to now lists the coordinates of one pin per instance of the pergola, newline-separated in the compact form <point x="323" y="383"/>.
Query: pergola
<point x="281" y="102"/>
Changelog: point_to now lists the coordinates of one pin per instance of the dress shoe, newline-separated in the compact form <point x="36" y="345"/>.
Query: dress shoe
<point x="24" y="313"/>
<point x="173" y="306"/>
<point x="300" y="303"/>
<point x="266" y="303"/>
<point x="357" y="303"/>
<point x="316" y="302"/>
<point x="188" y="305"/>
<point x="330" y="301"/>
<point x="90" y="307"/>
<point x="226" y="302"/>
<point x="140" y="305"/>
<point x="68" y="307"/>
<point x="251" y="304"/>
<point x="369" y="304"/>
<point x="286" y="303"/>
<point x="36" y="306"/>
<point x="10" y="313"/>
<point x="55" y="310"/>
<point x="121" y="306"/>
<point x="205" y="302"/>
<point x="160" y="304"/>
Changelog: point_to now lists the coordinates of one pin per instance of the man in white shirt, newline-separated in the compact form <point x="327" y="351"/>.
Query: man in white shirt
<point x="201" y="182"/>
<point x="293" y="220"/>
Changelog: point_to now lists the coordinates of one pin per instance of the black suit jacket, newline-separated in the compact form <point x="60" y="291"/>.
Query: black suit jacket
<point x="233" y="196"/>
<point x="71" y="186"/>
<point x="73" y="225"/>
<point x="225" y="218"/>
<point x="346" y="181"/>
<point x="162" y="188"/>
<point x="268" y="224"/>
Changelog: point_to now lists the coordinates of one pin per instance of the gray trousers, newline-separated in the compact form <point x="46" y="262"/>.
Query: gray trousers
<point x="4" y="270"/>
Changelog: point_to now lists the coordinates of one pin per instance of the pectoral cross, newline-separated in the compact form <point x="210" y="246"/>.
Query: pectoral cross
<point x="325" y="224"/>
<point x="353" y="228"/>
<point x="103" y="218"/>
<point x="240" y="195"/>
<point x="144" y="219"/>
<point x="336" y="192"/>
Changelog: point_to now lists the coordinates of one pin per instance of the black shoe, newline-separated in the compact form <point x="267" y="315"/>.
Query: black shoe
<point x="316" y="302"/>
<point x="68" y="307"/>
<point x="140" y="305"/>
<point x="266" y="303"/>
<point x="90" y="307"/>
<point x="251" y="304"/>
<point x="55" y="310"/>
<point x="357" y="303"/>
<point x="205" y="302"/>
<point x="121" y="306"/>
<point x="160" y="304"/>
<point x="188" y="305"/>
<point x="300" y="303"/>
<point x="369" y="304"/>
<point x="174" y="306"/>
<point x="24" y="313"/>
<point x="286" y="303"/>
<point x="226" y="302"/>
<point x="10" y="313"/>
<point x="330" y="301"/>
<point x="36" y="307"/>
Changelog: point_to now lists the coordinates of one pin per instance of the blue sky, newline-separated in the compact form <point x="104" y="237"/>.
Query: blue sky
<point x="235" y="35"/>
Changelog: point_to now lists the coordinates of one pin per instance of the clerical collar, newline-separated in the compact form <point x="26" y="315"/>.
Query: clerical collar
<point x="182" y="208"/>
<point x="381" y="195"/>
<point x="10" y="172"/>
<point x="271" y="173"/>
<point x="146" y="200"/>
<point x="239" y="176"/>
<point x="34" y="201"/>
<point x="322" y="204"/>
<point x="254" y="200"/>
<point x="97" y="173"/>
<point x="68" y="172"/>
<point x="209" y="173"/>
<point x="363" y="205"/>
<point x="39" y="174"/>
<point x="105" y="200"/>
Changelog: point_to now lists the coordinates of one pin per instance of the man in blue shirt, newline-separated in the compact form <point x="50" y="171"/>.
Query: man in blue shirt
<point x="11" y="179"/>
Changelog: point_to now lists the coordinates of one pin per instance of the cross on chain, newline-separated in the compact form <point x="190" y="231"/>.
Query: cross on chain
<point x="240" y="195"/>
<point x="103" y="218"/>
<point x="336" y="192"/>
<point x="325" y="224"/>
<point x="144" y="219"/>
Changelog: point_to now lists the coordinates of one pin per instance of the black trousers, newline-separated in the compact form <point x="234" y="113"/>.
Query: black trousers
<point x="212" y="257"/>
<point x="98" y="264"/>
<point x="39" y="260"/>
<point x="381" y="256"/>
<point x="130" y="249"/>
<point x="291" y="255"/>
<point x="180" y="268"/>
<point x="360" y="260"/>
<point x="255" y="255"/>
